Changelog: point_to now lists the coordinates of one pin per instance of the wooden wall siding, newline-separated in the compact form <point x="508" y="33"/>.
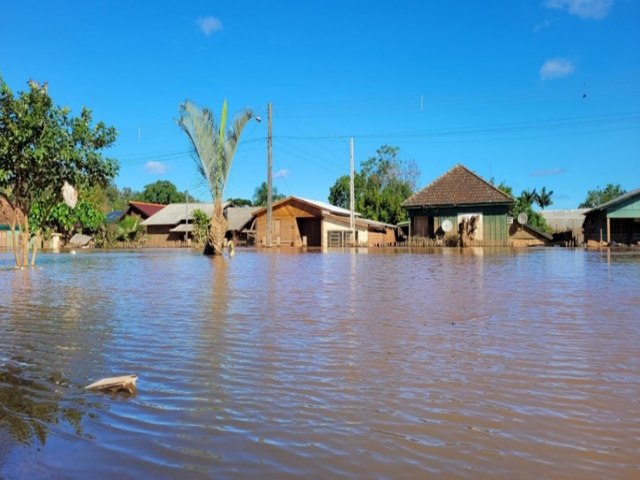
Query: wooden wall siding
<point x="381" y="239"/>
<point x="283" y="228"/>
<point x="285" y="225"/>
<point x="494" y="222"/>
<point x="519" y="237"/>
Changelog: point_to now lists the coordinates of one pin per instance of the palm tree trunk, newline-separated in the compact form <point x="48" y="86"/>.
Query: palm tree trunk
<point x="218" y="228"/>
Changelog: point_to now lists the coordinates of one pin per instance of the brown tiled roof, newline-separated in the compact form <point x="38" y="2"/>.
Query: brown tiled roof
<point x="144" y="209"/>
<point x="459" y="186"/>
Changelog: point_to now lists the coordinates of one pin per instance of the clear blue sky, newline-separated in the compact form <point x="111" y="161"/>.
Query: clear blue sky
<point x="531" y="92"/>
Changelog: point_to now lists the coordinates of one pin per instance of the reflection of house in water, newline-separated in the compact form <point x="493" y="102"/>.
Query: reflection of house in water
<point x="298" y="222"/>
<point x="467" y="201"/>
<point x="616" y="221"/>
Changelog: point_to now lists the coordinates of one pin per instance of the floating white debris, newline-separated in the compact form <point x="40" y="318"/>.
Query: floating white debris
<point x="125" y="384"/>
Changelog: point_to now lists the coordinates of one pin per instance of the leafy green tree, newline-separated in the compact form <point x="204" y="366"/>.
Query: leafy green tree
<point x="382" y="184"/>
<point x="41" y="147"/>
<point x="84" y="218"/>
<point x="599" y="196"/>
<point x="200" y="226"/>
<point x="260" y="195"/>
<point x="543" y="198"/>
<point x="213" y="147"/>
<point x="162" y="191"/>
<point x="240" y="202"/>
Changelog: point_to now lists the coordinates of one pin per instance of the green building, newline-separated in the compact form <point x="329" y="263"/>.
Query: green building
<point x="617" y="221"/>
<point x="454" y="201"/>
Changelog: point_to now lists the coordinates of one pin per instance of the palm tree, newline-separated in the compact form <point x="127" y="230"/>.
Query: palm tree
<point x="543" y="198"/>
<point x="213" y="149"/>
<point x="529" y="196"/>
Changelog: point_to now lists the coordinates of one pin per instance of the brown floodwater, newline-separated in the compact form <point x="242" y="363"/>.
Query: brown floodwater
<point x="380" y="364"/>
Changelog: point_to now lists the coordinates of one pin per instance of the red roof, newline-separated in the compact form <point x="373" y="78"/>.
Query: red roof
<point x="459" y="186"/>
<point x="144" y="209"/>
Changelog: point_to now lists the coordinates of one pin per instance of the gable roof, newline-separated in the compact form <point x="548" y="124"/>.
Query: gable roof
<point x="327" y="207"/>
<point x="239" y="217"/>
<point x="612" y="203"/>
<point x="175" y="213"/>
<point x="144" y="209"/>
<point x="458" y="186"/>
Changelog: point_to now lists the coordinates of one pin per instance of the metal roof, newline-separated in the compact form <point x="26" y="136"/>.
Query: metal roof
<point x="615" y="201"/>
<point x="315" y="203"/>
<point x="176" y="213"/>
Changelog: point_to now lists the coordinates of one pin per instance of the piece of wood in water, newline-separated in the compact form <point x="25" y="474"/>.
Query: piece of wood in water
<point x="125" y="384"/>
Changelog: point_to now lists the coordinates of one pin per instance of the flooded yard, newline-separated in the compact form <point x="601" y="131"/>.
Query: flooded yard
<point x="379" y="364"/>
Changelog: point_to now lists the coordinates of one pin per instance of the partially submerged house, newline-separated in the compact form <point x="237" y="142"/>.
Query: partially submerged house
<point x="460" y="200"/>
<point x="172" y="225"/>
<point x="301" y="222"/>
<point x="616" y="221"/>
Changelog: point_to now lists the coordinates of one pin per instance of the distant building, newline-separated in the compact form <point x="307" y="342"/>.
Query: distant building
<point x="459" y="199"/>
<point x="172" y="225"/>
<point x="143" y="209"/>
<point x="566" y="225"/>
<point x="616" y="221"/>
<point x="300" y="222"/>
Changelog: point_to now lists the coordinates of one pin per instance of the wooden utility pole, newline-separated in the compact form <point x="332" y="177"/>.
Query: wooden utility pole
<point x="352" y="221"/>
<point x="269" y="193"/>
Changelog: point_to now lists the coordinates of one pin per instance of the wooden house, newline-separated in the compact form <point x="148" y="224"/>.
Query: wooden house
<point x="171" y="227"/>
<point x="460" y="199"/>
<point x="616" y="221"/>
<point x="301" y="222"/>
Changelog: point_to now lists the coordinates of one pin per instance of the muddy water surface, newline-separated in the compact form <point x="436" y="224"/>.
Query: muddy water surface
<point x="495" y="364"/>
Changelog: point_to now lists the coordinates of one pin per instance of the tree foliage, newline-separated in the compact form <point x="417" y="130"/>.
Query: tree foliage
<point x="598" y="196"/>
<point x="200" y="226"/>
<point x="543" y="198"/>
<point x="84" y="218"/>
<point x="213" y="149"/>
<point x="382" y="184"/>
<point x="240" y="202"/>
<point x="162" y="191"/>
<point x="41" y="147"/>
<point x="260" y="195"/>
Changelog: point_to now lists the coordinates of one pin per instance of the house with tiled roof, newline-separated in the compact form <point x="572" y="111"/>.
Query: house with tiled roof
<point x="460" y="201"/>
